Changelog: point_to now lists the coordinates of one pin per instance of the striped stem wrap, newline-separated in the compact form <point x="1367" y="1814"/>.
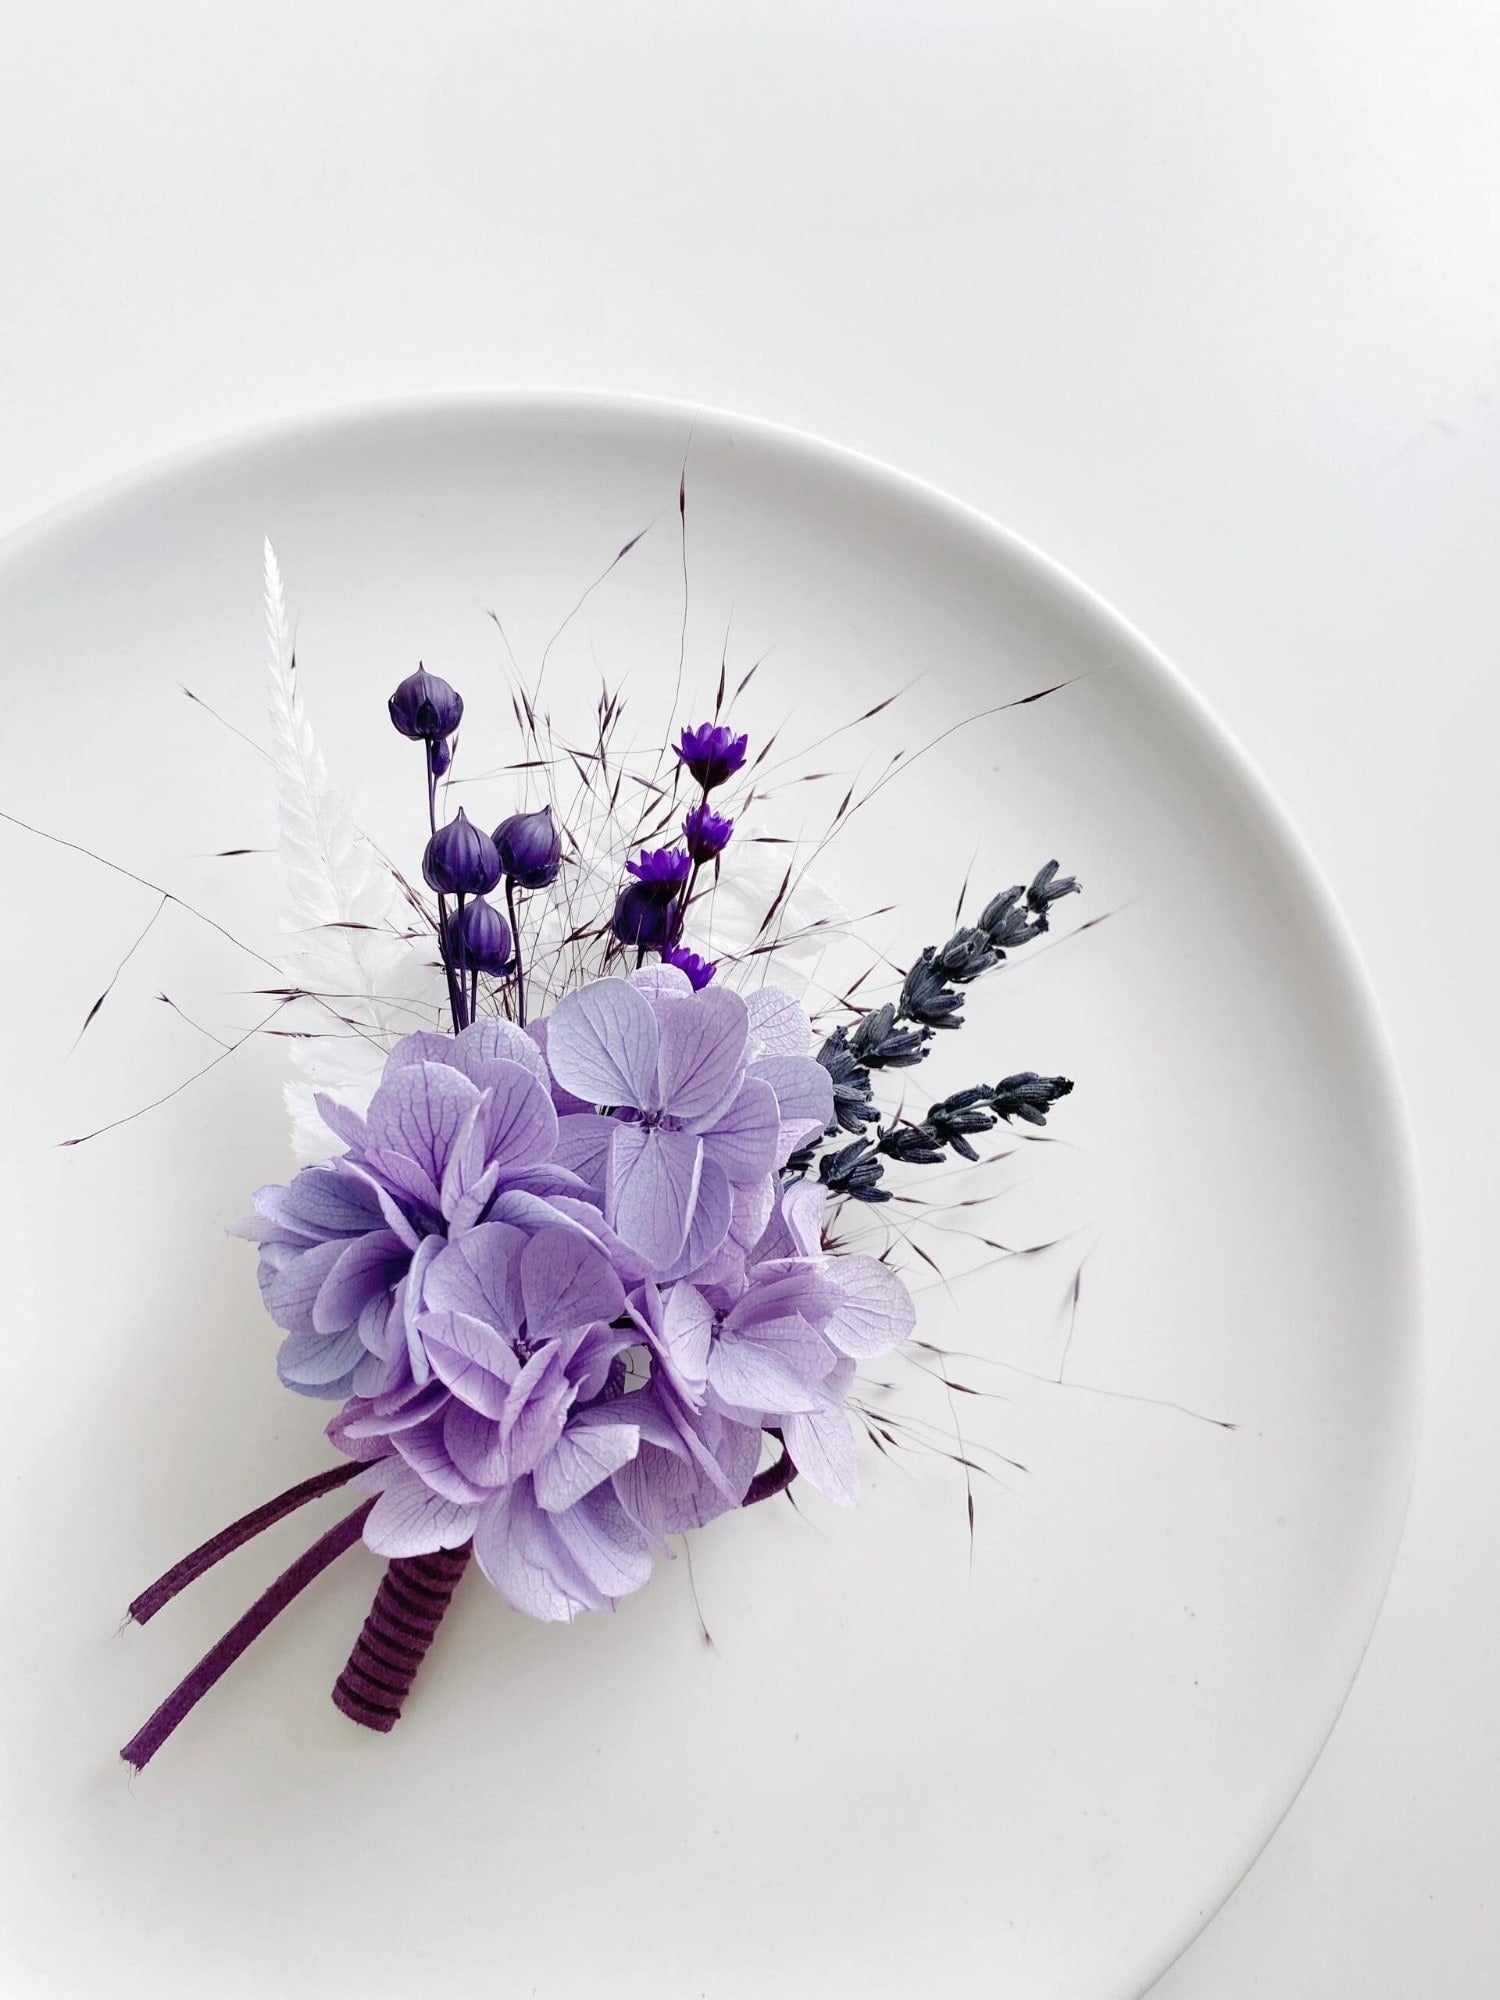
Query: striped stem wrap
<point x="409" y="1605"/>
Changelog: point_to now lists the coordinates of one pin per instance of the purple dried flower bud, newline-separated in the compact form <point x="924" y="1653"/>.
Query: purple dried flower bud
<point x="642" y="919"/>
<point x="461" y="859"/>
<point x="706" y="832"/>
<point x="530" y="848"/>
<point x="699" y="970"/>
<point x="439" y="755"/>
<point x="712" y="753"/>
<point x="423" y="705"/>
<point x="854" y="1171"/>
<point x="661" y="870"/>
<point x="480" y="940"/>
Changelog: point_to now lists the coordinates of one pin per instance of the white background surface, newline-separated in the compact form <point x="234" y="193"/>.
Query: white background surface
<point x="1201" y="298"/>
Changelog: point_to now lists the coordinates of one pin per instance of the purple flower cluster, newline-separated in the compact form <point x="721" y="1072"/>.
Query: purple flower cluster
<point x="559" y="1282"/>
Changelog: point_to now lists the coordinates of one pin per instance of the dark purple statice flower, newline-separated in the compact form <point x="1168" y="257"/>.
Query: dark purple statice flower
<point x="699" y="970"/>
<point x="706" y="833"/>
<point x="424" y="707"/>
<point x="461" y="859"/>
<point x="712" y="753"/>
<point x="661" y="870"/>
<point x="530" y="848"/>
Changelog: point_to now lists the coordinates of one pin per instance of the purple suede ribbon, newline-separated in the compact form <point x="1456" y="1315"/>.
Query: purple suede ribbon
<point x="144" y="1745"/>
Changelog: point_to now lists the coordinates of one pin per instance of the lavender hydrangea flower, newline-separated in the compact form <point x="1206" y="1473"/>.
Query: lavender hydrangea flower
<point x="685" y="1120"/>
<point x="455" y="1121"/>
<point x="518" y="1443"/>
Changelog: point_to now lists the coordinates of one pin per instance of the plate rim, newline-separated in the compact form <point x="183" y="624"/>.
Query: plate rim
<point x="1399" y="1149"/>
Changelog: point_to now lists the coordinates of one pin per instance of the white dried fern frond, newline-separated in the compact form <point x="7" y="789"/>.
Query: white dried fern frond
<point x="370" y="985"/>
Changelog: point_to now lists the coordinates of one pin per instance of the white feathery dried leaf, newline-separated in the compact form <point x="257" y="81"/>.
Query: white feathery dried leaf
<point x="376" y="983"/>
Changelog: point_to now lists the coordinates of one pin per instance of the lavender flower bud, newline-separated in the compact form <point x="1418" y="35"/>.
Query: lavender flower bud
<point x="424" y="706"/>
<point x="481" y="940"/>
<point x="912" y="1145"/>
<point x="712" y="753"/>
<point x="706" y="833"/>
<point x="642" y="919"/>
<point x="1047" y="889"/>
<point x="965" y="956"/>
<point x="925" y="995"/>
<point x="854" y="1171"/>
<point x="461" y="859"/>
<point x="965" y="1112"/>
<point x="879" y="1044"/>
<point x="1028" y="1096"/>
<point x="660" y="871"/>
<point x="699" y="970"/>
<point x="530" y="848"/>
<point x="852" y="1105"/>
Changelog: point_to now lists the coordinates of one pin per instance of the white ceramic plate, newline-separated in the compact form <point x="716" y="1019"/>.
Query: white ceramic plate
<point x="904" y="1767"/>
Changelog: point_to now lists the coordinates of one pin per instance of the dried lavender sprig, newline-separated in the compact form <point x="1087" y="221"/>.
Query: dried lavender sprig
<point x="927" y="1000"/>
<point x="856" y="1171"/>
<point x="897" y="1034"/>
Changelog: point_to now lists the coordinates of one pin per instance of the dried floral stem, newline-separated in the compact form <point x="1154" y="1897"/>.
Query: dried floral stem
<point x="515" y="945"/>
<point x="217" y="1661"/>
<point x="775" y="1479"/>
<point x="235" y="1536"/>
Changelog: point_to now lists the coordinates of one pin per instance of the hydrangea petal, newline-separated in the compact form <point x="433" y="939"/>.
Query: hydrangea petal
<point x="778" y="1024"/>
<point x="702" y="1048"/>
<point x="583" y="1144"/>
<point x="679" y="1329"/>
<point x="290" y="1284"/>
<point x="774" y="1365"/>
<point x="495" y="1041"/>
<point x="471" y="1358"/>
<point x="325" y="1201"/>
<point x="602" y="1045"/>
<point x="566" y="1283"/>
<point x="318" y="1364"/>
<point x="743" y="1140"/>
<point x="804" y="1089"/>
<point x="591" y="1448"/>
<point x="409" y="1519"/>
<point x="652" y="1186"/>
<point x="517" y="1119"/>
<point x="517" y="1550"/>
<point x="874" y="1312"/>
<point x="479" y="1273"/>
<point x="821" y="1443"/>
<point x="366" y="1267"/>
<point x="661" y="982"/>
<point x="475" y="1445"/>
<point x="424" y="1046"/>
<point x="536" y="1409"/>
<point x="343" y="1121"/>
<point x="416" y="1115"/>
<point x="608" y="1547"/>
<point x="709" y="1224"/>
<point x="411" y="1293"/>
<point x="423" y="1449"/>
